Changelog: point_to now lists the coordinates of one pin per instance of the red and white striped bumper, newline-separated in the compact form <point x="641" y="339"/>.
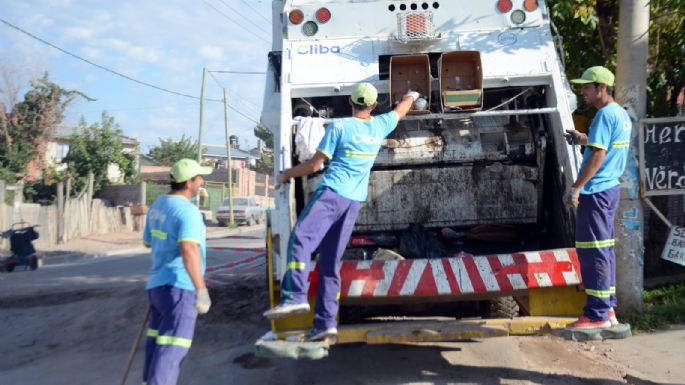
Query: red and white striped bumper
<point x="462" y="274"/>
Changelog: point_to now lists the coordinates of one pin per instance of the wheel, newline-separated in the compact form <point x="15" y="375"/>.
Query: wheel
<point x="222" y="223"/>
<point x="503" y="307"/>
<point x="33" y="262"/>
<point x="9" y="267"/>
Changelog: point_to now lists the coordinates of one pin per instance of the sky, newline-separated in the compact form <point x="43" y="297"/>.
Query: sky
<point x="164" y="43"/>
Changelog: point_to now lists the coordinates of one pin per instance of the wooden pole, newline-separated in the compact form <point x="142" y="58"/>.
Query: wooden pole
<point x="228" y="161"/>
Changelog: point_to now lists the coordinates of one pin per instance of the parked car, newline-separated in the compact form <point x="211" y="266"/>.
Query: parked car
<point x="245" y="210"/>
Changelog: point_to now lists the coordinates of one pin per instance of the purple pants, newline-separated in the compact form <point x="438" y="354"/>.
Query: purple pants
<point x="169" y="334"/>
<point x="595" y="247"/>
<point x="327" y="221"/>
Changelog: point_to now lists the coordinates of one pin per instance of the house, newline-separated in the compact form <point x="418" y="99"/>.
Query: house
<point x="57" y="149"/>
<point x="216" y="155"/>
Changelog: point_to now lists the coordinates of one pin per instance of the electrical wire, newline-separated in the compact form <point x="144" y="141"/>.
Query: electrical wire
<point x="248" y="20"/>
<point x="95" y="64"/>
<point x="236" y="22"/>
<point x="146" y="84"/>
<point x="255" y="11"/>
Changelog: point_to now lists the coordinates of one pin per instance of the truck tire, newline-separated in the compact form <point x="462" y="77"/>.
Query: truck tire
<point x="9" y="267"/>
<point x="222" y="223"/>
<point x="503" y="307"/>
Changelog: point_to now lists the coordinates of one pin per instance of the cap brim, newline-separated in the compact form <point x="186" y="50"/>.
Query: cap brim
<point x="581" y="81"/>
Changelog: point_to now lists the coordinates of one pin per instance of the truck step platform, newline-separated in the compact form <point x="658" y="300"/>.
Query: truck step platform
<point x="291" y="344"/>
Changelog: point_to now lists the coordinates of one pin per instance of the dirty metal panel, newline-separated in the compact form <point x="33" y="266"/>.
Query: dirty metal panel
<point x="493" y="139"/>
<point x="451" y="196"/>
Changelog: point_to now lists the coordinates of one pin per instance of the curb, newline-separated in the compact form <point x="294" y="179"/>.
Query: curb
<point x="76" y="256"/>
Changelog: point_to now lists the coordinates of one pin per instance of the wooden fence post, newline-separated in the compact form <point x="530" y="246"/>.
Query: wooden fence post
<point x="60" y="212"/>
<point x="3" y="212"/>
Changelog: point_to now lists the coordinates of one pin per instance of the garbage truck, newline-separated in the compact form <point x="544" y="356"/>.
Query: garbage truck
<point x="464" y="232"/>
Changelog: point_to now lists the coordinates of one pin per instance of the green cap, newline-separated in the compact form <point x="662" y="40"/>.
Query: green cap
<point x="597" y="74"/>
<point x="186" y="169"/>
<point x="364" y="94"/>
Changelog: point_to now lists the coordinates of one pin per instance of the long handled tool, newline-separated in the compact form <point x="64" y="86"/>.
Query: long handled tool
<point x="134" y="348"/>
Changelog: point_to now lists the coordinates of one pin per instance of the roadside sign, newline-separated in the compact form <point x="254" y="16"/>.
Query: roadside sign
<point x="662" y="159"/>
<point x="674" y="250"/>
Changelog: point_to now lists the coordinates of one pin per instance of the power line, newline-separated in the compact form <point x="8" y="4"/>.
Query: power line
<point x="236" y="22"/>
<point x="248" y="20"/>
<point x="255" y="11"/>
<point x="239" y="100"/>
<point x="97" y="65"/>
<point x="238" y="72"/>
<point x="119" y="73"/>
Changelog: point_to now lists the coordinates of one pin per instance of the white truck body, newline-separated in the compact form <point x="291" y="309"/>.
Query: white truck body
<point x="506" y="163"/>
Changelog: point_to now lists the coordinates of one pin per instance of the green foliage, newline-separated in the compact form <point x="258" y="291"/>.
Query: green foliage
<point x="170" y="151"/>
<point x="265" y="163"/>
<point x="27" y="127"/>
<point x="93" y="150"/>
<point x="589" y="29"/>
<point x="662" y="306"/>
<point x="265" y="135"/>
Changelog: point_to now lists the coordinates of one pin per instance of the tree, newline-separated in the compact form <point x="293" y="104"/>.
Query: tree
<point x="94" y="149"/>
<point x="265" y="163"/>
<point x="26" y="128"/>
<point x="590" y="29"/>
<point x="170" y="151"/>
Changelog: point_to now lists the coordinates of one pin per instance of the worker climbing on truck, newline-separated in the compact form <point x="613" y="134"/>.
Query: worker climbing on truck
<point x="596" y="194"/>
<point x="351" y="145"/>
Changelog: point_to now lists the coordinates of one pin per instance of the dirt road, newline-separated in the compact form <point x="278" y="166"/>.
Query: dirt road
<point x="77" y="327"/>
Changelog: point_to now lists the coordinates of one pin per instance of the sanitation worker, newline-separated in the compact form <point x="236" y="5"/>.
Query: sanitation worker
<point x="351" y="145"/>
<point x="596" y="194"/>
<point x="176" y="289"/>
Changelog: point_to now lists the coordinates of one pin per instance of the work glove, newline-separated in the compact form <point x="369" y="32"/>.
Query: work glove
<point x="415" y="95"/>
<point x="572" y="197"/>
<point x="202" y="301"/>
<point x="573" y="137"/>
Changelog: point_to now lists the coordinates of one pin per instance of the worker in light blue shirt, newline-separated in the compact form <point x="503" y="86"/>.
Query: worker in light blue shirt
<point x="351" y="145"/>
<point x="596" y="194"/>
<point x="175" y="231"/>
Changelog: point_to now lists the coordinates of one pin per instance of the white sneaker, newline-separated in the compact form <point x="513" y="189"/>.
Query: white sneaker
<point x="612" y="317"/>
<point x="286" y="309"/>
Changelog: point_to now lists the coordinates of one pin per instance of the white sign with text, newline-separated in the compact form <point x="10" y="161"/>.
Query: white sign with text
<point x="674" y="250"/>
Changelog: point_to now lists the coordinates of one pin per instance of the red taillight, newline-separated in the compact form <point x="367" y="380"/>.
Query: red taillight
<point x="323" y="15"/>
<point x="504" y="6"/>
<point x="530" y="5"/>
<point x="296" y="16"/>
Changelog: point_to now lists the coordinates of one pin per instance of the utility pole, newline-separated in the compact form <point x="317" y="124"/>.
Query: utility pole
<point x="202" y="116"/>
<point x="631" y="85"/>
<point x="228" y="161"/>
<point x="202" y="122"/>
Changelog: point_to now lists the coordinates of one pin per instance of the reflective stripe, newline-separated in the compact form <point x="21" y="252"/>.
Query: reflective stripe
<point x="174" y="341"/>
<point x="612" y="289"/>
<point x="621" y="144"/>
<point x="158" y="234"/>
<point x="595" y="244"/>
<point x="597" y="145"/>
<point x="598" y="293"/>
<point x="356" y="154"/>
<point x="192" y="240"/>
<point x="294" y="265"/>
<point x="152" y="332"/>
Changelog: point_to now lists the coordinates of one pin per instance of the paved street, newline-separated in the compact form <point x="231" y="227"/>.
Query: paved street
<point x="73" y="323"/>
